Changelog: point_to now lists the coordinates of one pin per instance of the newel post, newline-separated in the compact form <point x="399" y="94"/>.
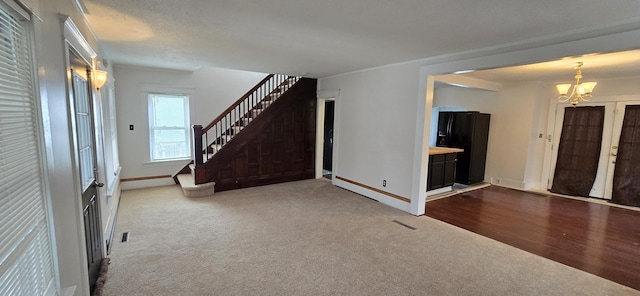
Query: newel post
<point x="197" y="145"/>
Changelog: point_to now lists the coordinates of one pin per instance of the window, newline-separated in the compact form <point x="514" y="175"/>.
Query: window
<point x="112" y="160"/>
<point x="169" y="132"/>
<point x="26" y="257"/>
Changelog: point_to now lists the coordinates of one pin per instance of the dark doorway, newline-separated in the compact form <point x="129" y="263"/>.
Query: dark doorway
<point x="327" y="157"/>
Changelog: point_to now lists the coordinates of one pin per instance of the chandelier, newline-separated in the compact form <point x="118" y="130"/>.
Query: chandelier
<point x="581" y="91"/>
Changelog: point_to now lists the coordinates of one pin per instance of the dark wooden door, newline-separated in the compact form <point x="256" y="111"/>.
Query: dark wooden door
<point x="82" y="98"/>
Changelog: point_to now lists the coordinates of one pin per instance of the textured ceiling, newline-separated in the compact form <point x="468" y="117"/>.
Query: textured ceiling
<point x="328" y="37"/>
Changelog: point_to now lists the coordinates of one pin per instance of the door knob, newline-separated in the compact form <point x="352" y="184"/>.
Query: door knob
<point x="96" y="184"/>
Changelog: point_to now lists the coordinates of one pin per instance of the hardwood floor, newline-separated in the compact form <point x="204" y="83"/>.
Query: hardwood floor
<point x="596" y="238"/>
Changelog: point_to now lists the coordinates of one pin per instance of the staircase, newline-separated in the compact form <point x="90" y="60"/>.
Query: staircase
<point x="210" y="142"/>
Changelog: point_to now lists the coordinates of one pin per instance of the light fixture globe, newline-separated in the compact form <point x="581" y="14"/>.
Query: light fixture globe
<point x="581" y="91"/>
<point x="99" y="78"/>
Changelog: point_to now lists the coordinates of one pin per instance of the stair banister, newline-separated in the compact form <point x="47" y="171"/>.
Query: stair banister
<point x="222" y="127"/>
<point x="234" y="105"/>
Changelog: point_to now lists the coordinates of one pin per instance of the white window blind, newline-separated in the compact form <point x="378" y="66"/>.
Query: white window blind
<point x="26" y="259"/>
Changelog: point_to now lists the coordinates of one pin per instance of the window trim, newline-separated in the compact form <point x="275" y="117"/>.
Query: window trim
<point x="189" y="94"/>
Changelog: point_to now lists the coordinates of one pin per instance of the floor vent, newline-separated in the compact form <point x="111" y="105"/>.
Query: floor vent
<point x="405" y="225"/>
<point x="125" y="237"/>
<point x="466" y="196"/>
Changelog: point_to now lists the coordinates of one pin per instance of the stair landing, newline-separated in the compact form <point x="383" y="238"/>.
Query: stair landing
<point x="189" y="189"/>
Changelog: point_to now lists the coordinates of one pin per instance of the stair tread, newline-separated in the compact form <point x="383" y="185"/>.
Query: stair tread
<point x="187" y="182"/>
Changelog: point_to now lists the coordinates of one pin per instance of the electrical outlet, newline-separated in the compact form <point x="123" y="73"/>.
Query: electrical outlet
<point x="384" y="183"/>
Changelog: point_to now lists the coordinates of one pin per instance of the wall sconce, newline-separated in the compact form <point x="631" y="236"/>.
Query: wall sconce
<point x="99" y="78"/>
<point x="581" y="90"/>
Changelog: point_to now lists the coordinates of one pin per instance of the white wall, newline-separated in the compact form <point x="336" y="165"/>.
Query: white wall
<point x="376" y="129"/>
<point x="212" y="90"/>
<point x="512" y="122"/>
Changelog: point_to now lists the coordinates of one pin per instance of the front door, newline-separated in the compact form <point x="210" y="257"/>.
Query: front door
<point x="598" y="188"/>
<point x="622" y="174"/>
<point x="82" y="98"/>
<point x="603" y="185"/>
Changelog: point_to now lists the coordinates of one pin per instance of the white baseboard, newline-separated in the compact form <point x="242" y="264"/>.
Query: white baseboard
<point x="508" y="183"/>
<point x="137" y="184"/>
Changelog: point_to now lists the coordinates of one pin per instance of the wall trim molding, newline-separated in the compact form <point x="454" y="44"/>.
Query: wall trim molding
<point x="75" y="39"/>
<point x="398" y="197"/>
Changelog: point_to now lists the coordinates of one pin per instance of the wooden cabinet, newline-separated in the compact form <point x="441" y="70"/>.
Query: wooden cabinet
<point x="442" y="170"/>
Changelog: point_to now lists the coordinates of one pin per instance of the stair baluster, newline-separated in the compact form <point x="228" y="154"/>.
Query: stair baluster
<point x="213" y="137"/>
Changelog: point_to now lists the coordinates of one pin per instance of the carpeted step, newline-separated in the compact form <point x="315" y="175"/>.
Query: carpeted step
<point x="189" y="189"/>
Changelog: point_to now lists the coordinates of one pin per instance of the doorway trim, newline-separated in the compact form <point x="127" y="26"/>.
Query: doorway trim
<point x="323" y="97"/>
<point x="75" y="241"/>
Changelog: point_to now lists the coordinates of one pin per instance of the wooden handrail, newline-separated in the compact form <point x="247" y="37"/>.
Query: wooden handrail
<point x="224" y="126"/>
<point x="234" y="105"/>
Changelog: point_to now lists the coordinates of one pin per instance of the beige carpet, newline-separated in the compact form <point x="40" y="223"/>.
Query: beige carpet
<point x="311" y="238"/>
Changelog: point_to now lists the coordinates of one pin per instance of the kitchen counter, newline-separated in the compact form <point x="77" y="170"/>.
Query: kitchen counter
<point x="442" y="169"/>
<point x="443" y="150"/>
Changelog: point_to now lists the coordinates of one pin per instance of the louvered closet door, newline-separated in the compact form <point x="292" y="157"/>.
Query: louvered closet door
<point x="26" y="258"/>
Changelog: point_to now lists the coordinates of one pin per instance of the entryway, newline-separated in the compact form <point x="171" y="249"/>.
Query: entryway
<point x="327" y="155"/>
<point x="575" y="128"/>
<point x="326" y="121"/>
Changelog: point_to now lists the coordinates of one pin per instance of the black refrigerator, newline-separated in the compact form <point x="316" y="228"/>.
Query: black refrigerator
<point x="468" y="131"/>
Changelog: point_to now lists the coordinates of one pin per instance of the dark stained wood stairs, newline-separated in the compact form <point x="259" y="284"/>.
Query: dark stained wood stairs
<point x="266" y="137"/>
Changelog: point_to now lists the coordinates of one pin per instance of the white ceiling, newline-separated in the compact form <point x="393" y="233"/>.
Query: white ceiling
<point x="595" y="67"/>
<point x="327" y="37"/>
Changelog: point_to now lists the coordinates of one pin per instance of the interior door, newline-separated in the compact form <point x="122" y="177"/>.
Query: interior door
<point x="598" y="189"/>
<point x="82" y="98"/>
